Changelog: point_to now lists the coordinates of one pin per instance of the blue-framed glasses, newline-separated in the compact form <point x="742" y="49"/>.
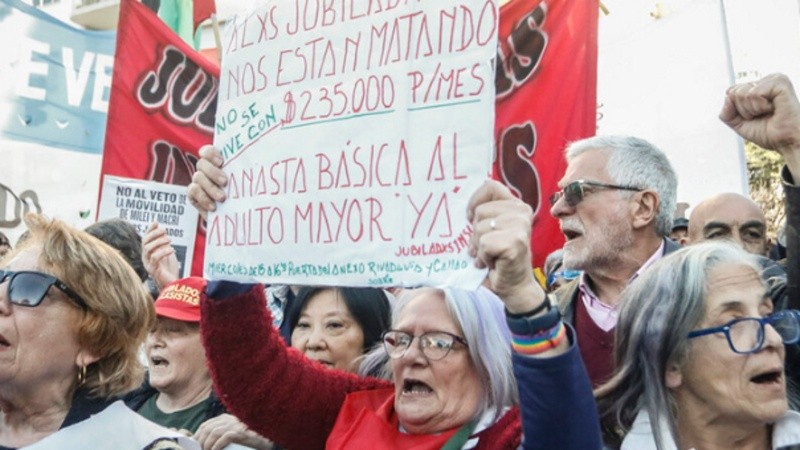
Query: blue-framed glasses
<point x="28" y="288"/>
<point x="746" y="335"/>
<point x="566" y="274"/>
<point x="574" y="192"/>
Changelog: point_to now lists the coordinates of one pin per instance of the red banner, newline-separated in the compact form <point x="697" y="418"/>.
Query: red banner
<point x="202" y="10"/>
<point x="546" y="84"/>
<point x="162" y="105"/>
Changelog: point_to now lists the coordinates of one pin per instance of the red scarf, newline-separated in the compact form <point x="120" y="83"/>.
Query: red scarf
<point x="368" y="420"/>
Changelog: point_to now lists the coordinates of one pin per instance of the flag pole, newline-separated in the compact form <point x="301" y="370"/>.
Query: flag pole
<point x="217" y="38"/>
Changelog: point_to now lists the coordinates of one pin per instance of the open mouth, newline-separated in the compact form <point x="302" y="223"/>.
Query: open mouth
<point x="415" y="387"/>
<point x="771" y="377"/>
<point x="4" y="342"/>
<point x="157" y="361"/>
<point x="571" y="234"/>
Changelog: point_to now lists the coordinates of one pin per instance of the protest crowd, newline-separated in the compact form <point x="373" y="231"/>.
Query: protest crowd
<point x="647" y="331"/>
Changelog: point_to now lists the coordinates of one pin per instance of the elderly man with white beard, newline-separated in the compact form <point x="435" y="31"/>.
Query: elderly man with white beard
<point x="615" y="205"/>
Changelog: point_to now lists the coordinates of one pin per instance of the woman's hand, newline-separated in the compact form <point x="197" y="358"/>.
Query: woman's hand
<point x="158" y="256"/>
<point x="223" y="430"/>
<point x="208" y="181"/>
<point x="501" y="241"/>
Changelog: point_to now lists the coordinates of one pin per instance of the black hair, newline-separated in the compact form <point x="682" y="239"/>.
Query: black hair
<point x="121" y="235"/>
<point x="369" y="307"/>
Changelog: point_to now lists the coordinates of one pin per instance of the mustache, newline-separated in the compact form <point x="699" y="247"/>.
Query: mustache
<point x="572" y="225"/>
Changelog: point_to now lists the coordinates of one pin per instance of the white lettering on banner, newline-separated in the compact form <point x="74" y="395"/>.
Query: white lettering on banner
<point x="76" y="82"/>
<point x="76" y="76"/>
<point x="28" y="67"/>
<point x="102" y="82"/>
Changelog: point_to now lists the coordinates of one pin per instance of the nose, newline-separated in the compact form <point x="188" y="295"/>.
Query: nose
<point x="154" y="339"/>
<point x="315" y="340"/>
<point x="772" y="339"/>
<point x="560" y="208"/>
<point x="5" y="302"/>
<point x="414" y="354"/>
<point x="736" y="238"/>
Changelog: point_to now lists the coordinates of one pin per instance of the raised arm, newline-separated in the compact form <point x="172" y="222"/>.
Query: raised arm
<point x="767" y="112"/>
<point x="276" y="391"/>
<point x="556" y="402"/>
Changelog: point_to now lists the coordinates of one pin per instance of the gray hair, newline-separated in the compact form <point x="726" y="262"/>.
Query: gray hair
<point x="554" y="261"/>
<point x="658" y="310"/>
<point x="636" y="162"/>
<point x="480" y="316"/>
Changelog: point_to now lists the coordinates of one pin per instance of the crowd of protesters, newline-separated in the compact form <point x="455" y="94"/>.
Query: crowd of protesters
<point x="650" y="331"/>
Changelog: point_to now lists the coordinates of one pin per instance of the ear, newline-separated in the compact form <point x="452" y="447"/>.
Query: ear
<point x="673" y="378"/>
<point x="645" y="208"/>
<point x="85" y="358"/>
<point x="684" y="241"/>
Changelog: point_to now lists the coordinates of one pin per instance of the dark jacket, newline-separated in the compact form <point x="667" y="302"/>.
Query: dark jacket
<point x="792" y="241"/>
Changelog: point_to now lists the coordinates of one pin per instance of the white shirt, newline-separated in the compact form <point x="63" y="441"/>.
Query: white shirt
<point x="785" y="432"/>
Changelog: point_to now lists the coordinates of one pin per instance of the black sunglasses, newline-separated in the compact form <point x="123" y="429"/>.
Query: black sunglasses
<point x="28" y="288"/>
<point x="574" y="192"/>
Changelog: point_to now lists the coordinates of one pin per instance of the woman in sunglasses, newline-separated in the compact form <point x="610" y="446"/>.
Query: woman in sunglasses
<point x="700" y="358"/>
<point x="73" y="315"/>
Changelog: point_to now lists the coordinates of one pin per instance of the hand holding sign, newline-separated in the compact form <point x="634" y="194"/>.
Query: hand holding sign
<point x="351" y="140"/>
<point x="208" y="181"/>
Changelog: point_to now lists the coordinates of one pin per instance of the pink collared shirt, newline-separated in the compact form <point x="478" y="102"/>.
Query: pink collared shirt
<point x="604" y="315"/>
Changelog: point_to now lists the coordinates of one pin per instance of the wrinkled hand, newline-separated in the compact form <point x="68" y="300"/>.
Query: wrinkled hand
<point x="767" y="113"/>
<point x="501" y="241"/>
<point x="208" y="181"/>
<point x="223" y="430"/>
<point x="158" y="255"/>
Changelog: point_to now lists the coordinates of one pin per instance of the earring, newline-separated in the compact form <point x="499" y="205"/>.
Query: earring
<point x="81" y="375"/>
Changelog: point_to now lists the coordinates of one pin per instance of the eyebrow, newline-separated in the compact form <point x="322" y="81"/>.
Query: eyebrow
<point x="738" y="305"/>
<point x="715" y="224"/>
<point x="753" y="224"/>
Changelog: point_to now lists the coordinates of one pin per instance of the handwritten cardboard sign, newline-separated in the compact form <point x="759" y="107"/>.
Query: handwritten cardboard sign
<point x="144" y="202"/>
<point x="353" y="135"/>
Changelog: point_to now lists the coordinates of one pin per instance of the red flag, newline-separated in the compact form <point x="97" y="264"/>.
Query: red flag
<point x="162" y="105"/>
<point x="203" y="9"/>
<point x="546" y="84"/>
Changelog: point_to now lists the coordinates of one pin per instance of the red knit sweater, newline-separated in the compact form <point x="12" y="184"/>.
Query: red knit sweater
<point x="278" y="392"/>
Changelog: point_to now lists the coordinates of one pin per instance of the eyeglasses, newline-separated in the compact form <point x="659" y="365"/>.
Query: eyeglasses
<point x="28" y="288"/>
<point x="574" y="192"/>
<point x="746" y="335"/>
<point x="566" y="274"/>
<point x="435" y="345"/>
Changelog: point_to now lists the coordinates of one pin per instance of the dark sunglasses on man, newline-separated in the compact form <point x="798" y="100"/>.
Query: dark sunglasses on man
<point x="574" y="192"/>
<point x="28" y="288"/>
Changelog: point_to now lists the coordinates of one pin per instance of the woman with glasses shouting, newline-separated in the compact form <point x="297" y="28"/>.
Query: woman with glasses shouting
<point x="700" y="358"/>
<point x="73" y="315"/>
<point x="460" y="371"/>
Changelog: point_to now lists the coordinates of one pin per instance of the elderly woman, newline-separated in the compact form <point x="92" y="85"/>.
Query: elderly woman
<point x="700" y="358"/>
<point x="73" y="315"/>
<point x="178" y="392"/>
<point x="452" y="369"/>
<point x="337" y="325"/>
